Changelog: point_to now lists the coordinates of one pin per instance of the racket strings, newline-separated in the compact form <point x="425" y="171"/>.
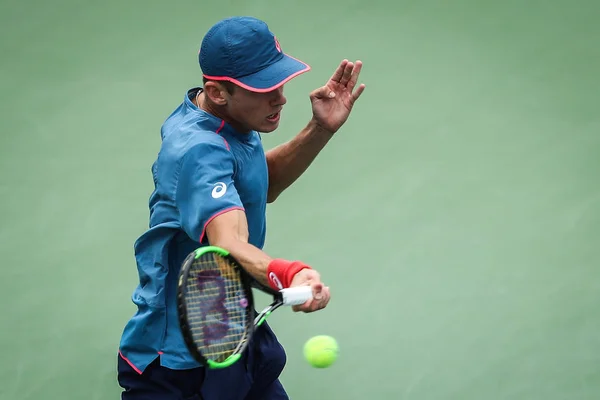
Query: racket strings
<point x="217" y="307"/>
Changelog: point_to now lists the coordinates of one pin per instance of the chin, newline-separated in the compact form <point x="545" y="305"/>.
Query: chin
<point x="268" y="129"/>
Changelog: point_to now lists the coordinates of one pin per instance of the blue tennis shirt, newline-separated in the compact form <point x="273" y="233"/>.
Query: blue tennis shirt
<point x="204" y="168"/>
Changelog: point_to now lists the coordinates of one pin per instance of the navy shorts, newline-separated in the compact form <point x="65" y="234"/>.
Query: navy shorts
<point x="254" y="377"/>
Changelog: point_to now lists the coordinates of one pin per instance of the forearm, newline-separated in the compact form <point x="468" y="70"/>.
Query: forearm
<point x="288" y="161"/>
<point x="268" y="272"/>
<point x="252" y="259"/>
<point x="229" y="231"/>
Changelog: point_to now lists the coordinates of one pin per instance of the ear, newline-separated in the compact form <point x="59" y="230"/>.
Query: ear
<point x="216" y="93"/>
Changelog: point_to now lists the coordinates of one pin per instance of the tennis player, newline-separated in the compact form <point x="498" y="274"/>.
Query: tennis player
<point x="213" y="181"/>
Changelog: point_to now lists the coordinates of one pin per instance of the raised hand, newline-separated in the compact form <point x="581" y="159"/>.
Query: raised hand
<point x="332" y="103"/>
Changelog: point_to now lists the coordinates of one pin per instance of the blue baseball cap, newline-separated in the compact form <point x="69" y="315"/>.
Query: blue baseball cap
<point x="244" y="51"/>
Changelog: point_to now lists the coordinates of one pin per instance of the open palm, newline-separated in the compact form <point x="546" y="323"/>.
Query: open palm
<point x="332" y="103"/>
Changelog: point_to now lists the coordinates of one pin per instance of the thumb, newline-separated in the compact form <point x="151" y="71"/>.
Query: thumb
<point x="317" y="290"/>
<point x="324" y="92"/>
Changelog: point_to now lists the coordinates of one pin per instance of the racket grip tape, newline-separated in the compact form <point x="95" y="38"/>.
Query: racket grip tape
<point x="296" y="295"/>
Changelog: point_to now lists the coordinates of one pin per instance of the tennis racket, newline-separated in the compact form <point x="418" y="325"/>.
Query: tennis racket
<point x="216" y="306"/>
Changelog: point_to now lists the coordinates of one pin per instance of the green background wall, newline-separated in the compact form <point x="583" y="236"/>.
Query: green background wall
<point x="456" y="216"/>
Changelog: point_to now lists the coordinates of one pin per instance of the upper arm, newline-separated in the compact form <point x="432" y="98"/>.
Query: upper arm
<point x="205" y="188"/>
<point x="227" y="226"/>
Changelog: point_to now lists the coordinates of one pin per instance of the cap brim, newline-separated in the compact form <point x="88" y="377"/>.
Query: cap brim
<point x="269" y="78"/>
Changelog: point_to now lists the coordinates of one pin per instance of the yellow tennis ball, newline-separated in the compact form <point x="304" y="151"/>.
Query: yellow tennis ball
<point x="321" y="351"/>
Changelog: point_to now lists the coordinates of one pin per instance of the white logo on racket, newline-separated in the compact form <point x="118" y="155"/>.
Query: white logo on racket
<point x="219" y="190"/>
<point x="275" y="280"/>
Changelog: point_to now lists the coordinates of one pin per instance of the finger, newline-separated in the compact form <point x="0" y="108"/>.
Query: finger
<point x="317" y="289"/>
<point x="308" y="306"/>
<point x="326" y="294"/>
<point x="355" y="75"/>
<point x="299" y="308"/>
<point x="358" y="92"/>
<point x="347" y="74"/>
<point x="304" y="306"/>
<point x="337" y="75"/>
<point x="326" y="297"/>
<point x="322" y="93"/>
<point x="319" y="304"/>
<point x="314" y="304"/>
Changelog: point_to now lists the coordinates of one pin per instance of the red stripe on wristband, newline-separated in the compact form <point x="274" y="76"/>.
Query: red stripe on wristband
<point x="281" y="272"/>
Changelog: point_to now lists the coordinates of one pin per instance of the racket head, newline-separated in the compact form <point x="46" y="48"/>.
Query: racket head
<point x="216" y="307"/>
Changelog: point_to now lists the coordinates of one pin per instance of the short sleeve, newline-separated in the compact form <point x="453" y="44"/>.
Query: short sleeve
<point x="205" y="187"/>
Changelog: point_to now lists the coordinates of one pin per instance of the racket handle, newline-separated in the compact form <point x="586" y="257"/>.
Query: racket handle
<point x="296" y="295"/>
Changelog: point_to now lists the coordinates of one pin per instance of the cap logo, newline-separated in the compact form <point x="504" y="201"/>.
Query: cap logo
<point x="277" y="46"/>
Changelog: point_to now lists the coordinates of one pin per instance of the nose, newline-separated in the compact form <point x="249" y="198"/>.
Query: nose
<point x="278" y="97"/>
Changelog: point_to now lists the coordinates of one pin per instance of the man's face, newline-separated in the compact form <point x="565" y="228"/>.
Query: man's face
<point x="256" y="111"/>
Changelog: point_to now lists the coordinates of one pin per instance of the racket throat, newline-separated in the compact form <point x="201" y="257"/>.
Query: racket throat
<point x="258" y="321"/>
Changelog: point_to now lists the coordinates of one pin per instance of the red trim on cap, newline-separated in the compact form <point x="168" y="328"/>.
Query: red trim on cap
<point x="256" y="90"/>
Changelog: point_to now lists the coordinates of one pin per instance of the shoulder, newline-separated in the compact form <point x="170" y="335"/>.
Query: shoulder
<point x="192" y="140"/>
<point x="188" y="128"/>
<point x="186" y="151"/>
<point x="211" y="148"/>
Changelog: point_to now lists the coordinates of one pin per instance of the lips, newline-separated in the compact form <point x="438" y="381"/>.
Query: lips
<point x="274" y="117"/>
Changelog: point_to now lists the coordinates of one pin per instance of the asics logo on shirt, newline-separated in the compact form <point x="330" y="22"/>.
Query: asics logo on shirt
<point x="219" y="190"/>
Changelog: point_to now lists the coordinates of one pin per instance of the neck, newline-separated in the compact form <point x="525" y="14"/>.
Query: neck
<point x="204" y="104"/>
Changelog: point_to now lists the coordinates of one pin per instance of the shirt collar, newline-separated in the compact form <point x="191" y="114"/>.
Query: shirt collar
<point x="215" y="124"/>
